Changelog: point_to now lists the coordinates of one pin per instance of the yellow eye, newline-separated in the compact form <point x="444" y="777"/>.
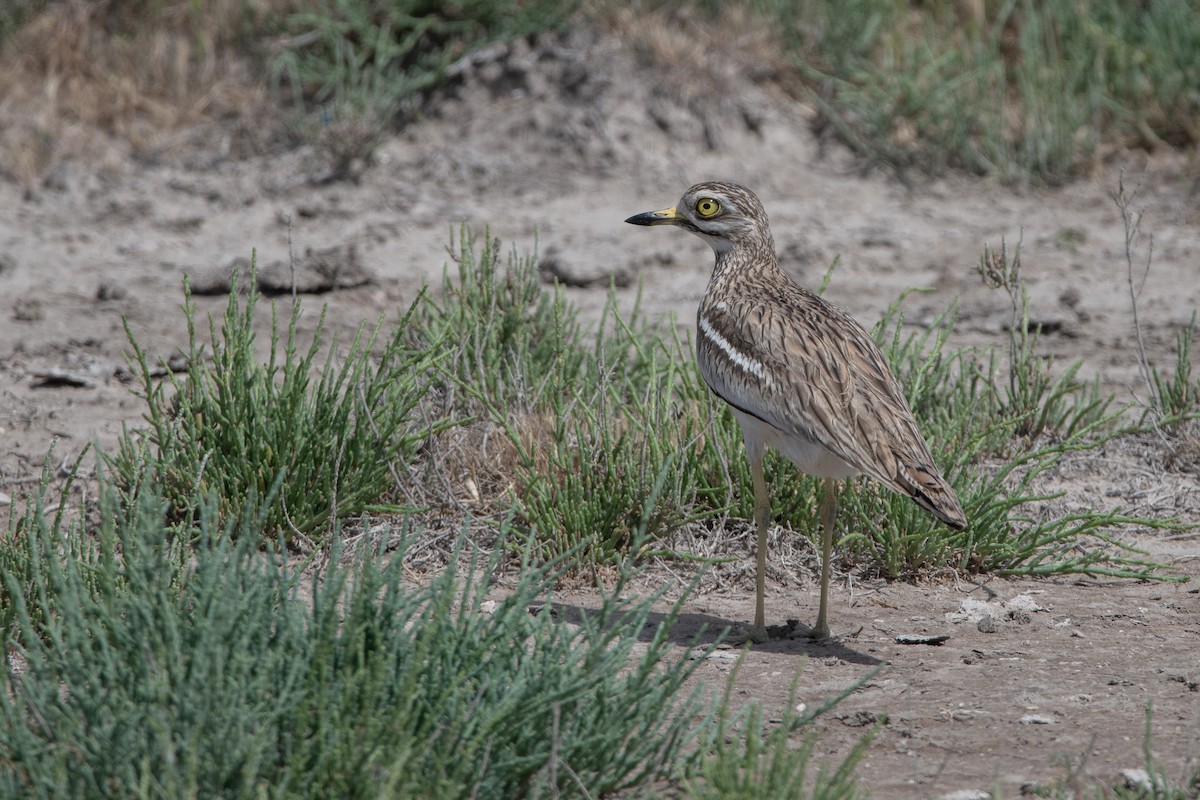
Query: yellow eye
<point x="707" y="207"/>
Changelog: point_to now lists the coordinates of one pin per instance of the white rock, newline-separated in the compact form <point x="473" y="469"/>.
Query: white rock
<point x="1143" y="781"/>
<point x="966" y="794"/>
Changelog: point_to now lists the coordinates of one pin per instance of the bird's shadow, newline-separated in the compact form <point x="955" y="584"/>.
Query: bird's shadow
<point x="702" y="631"/>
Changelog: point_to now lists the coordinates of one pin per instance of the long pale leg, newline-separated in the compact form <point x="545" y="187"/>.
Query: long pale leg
<point x="762" y="511"/>
<point x="828" y="515"/>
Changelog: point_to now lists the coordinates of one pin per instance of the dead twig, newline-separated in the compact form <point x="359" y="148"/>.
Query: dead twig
<point x="1132" y="220"/>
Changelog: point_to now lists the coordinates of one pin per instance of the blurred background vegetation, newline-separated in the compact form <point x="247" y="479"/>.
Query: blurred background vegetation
<point x="1014" y="89"/>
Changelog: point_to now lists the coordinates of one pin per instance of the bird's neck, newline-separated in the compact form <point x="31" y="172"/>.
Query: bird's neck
<point x="745" y="259"/>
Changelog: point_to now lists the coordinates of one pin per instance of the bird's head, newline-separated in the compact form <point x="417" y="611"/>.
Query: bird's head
<point x="723" y="214"/>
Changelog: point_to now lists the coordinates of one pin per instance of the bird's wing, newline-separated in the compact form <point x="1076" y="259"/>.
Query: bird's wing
<point x="811" y="370"/>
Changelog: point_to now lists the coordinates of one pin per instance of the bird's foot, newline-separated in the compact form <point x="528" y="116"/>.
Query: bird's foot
<point x="798" y="630"/>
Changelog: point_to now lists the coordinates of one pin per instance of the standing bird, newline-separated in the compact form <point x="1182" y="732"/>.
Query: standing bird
<point x="799" y="374"/>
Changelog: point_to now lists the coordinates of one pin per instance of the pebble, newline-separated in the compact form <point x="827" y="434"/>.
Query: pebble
<point x="1036" y="719"/>
<point x="1142" y="781"/>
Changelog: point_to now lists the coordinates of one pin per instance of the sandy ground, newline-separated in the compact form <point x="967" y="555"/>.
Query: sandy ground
<point x="553" y="146"/>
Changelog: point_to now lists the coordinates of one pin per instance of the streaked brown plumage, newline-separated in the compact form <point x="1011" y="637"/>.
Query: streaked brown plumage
<point x="801" y="375"/>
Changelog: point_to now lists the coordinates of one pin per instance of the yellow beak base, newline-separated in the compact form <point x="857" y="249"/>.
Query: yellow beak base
<point x="668" y="216"/>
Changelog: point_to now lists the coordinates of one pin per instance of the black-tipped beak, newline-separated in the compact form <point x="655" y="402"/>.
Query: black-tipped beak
<point x="667" y="216"/>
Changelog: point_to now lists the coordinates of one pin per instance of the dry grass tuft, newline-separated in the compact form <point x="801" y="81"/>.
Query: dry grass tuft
<point x="83" y="78"/>
<point x="1183" y="447"/>
<point x="694" y="43"/>
<point x="481" y="465"/>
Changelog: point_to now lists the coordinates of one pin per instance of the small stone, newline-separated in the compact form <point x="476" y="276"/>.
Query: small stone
<point x="916" y="638"/>
<point x="108" y="290"/>
<point x="1024" y="603"/>
<point x="57" y="377"/>
<point x="554" y="267"/>
<point x="28" y="309"/>
<point x="859" y="719"/>
<point x="1036" y="719"/>
<point x="539" y="607"/>
<point x="1142" y="781"/>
